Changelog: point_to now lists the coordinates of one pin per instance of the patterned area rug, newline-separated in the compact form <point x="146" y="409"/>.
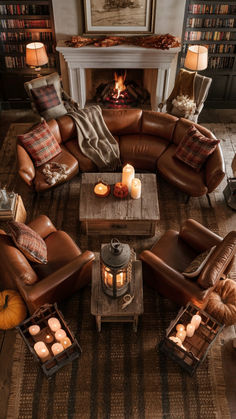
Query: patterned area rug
<point x="120" y="374"/>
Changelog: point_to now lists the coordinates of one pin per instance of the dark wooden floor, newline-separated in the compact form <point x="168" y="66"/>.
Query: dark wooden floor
<point x="7" y="339"/>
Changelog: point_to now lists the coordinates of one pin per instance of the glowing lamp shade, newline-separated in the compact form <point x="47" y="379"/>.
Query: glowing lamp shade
<point x="36" y="55"/>
<point x="196" y="58"/>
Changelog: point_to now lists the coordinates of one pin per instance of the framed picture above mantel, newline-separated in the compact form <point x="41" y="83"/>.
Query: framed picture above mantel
<point x="119" y="16"/>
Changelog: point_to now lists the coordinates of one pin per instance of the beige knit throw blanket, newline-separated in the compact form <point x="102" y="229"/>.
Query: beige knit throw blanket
<point x="94" y="138"/>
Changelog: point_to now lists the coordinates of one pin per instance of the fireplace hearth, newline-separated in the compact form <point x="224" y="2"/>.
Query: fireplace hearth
<point x="121" y="93"/>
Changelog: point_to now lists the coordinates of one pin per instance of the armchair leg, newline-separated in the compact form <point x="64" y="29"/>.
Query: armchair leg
<point x="209" y="200"/>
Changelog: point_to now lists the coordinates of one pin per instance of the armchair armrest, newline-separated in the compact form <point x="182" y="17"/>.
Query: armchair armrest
<point x="215" y="169"/>
<point x="171" y="283"/>
<point x="43" y="226"/>
<point x="57" y="286"/>
<point x="197" y="236"/>
<point x="26" y="167"/>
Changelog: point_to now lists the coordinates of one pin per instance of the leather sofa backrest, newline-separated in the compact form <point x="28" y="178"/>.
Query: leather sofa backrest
<point x="54" y="128"/>
<point x="13" y="263"/>
<point x="158" y="124"/>
<point x="183" y="125"/>
<point x="123" y="121"/>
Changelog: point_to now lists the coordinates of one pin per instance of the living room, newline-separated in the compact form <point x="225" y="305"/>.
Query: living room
<point x="118" y="241"/>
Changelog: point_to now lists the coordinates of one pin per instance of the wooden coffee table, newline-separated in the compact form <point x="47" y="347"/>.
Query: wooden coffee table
<point x="108" y="309"/>
<point x="111" y="215"/>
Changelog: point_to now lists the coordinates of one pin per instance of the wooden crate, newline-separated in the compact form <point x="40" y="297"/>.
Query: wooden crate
<point x="40" y="318"/>
<point x="198" y="345"/>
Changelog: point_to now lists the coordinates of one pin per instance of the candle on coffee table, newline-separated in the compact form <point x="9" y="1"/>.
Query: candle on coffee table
<point x="60" y="334"/>
<point x="41" y="350"/>
<point x="54" y="324"/>
<point x="34" y="329"/>
<point x="127" y="175"/>
<point x="136" y="188"/>
<point x="196" y="320"/>
<point x="57" y="348"/>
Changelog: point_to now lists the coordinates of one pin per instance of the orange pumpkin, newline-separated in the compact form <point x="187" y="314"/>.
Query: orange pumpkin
<point x="120" y="190"/>
<point x="12" y="309"/>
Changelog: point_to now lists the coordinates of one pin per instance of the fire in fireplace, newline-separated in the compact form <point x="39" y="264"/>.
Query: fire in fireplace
<point x="121" y="93"/>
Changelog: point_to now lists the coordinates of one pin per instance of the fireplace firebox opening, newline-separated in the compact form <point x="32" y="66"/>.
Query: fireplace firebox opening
<point x="117" y="88"/>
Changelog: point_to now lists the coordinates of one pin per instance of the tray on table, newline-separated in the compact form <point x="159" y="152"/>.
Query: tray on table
<point x="40" y="318"/>
<point x="196" y="346"/>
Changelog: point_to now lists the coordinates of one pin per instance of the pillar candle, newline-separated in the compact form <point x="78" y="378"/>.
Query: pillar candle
<point x="101" y="189"/>
<point x="127" y="175"/>
<point x="196" y="320"/>
<point x="66" y="342"/>
<point x="41" y="350"/>
<point x="48" y="338"/>
<point x="180" y="327"/>
<point x="60" y="334"/>
<point x="190" y="329"/>
<point x="136" y="188"/>
<point x="57" y="348"/>
<point x="54" y="324"/>
<point x="181" y="334"/>
<point x="34" y="329"/>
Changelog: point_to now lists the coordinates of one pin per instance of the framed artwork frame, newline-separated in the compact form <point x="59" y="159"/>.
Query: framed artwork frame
<point x="119" y="16"/>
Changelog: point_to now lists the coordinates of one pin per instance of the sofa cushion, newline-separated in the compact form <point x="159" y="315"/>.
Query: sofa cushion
<point x="29" y="242"/>
<point x="197" y="264"/>
<point x="159" y="124"/>
<point x="142" y="151"/>
<point x="195" y="148"/>
<point x="122" y="121"/>
<point x="65" y="157"/>
<point x="40" y="143"/>
<point x="183" y="125"/>
<point x="181" y="175"/>
<point x="45" y="97"/>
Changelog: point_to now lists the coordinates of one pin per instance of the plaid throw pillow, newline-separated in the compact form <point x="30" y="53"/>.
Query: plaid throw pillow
<point x="40" y="144"/>
<point x="28" y="242"/>
<point x="194" y="148"/>
<point x="45" y="97"/>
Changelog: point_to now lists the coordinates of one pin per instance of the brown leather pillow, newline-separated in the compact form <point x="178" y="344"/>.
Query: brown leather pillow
<point x="218" y="261"/>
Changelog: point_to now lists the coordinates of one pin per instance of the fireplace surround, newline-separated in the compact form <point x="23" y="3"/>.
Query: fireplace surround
<point x="158" y="67"/>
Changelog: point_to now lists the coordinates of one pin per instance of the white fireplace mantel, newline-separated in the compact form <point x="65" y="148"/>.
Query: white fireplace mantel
<point x="120" y="56"/>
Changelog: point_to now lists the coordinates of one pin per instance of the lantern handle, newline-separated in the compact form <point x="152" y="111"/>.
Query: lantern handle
<point x="116" y="245"/>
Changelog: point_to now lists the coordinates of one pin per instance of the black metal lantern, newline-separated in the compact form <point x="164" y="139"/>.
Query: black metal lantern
<point x="115" y="258"/>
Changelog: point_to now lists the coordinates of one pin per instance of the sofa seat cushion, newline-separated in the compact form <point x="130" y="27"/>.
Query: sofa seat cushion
<point x="56" y="244"/>
<point x="65" y="157"/>
<point x="85" y="164"/>
<point x="142" y="150"/>
<point x="181" y="175"/>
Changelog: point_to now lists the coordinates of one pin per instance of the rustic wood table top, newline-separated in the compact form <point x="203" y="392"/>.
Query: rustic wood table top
<point x="93" y="207"/>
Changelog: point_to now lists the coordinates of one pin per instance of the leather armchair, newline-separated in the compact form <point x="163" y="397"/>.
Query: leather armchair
<point x="67" y="269"/>
<point x="164" y="263"/>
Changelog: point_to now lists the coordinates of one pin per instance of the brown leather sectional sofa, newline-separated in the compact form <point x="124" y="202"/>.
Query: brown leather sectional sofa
<point x="147" y="140"/>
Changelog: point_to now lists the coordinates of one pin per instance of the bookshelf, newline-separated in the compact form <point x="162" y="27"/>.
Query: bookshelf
<point x="213" y="24"/>
<point x="22" y="22"/>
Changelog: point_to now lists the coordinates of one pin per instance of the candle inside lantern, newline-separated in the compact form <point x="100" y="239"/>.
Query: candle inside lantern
<point x="128" y="175"/>
<point x="57" y="348"/>
<point x="181" y="334"/>
<point x="190" y="329"/>
<point x="136" y="188"/>
<point x="66" y="342"/>
<point x="196" y="320"/>
<point x="54" y="324"/>
<point x="34" y="329"/>
<point x="101" y="189"/>
<point x="60" y="334"/>
<point x="41" y="350"/>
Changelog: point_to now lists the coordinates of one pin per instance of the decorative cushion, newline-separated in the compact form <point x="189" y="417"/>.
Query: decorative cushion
<point x="40" y="144"/>
<point x="222" y="302"/>
<point x="197" y="264"/>
<point x="51" y="79"/>
<point x="194" y="148"/>
<point x="28" y="242"/>
<point x="45" y="97"/>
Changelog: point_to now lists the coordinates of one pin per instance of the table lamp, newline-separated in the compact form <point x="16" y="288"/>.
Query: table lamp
<point x="196" y="58"/>
<point x="36" y="55"/>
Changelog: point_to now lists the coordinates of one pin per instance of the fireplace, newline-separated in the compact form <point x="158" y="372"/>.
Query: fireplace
<point x="78" y="66"/>
<point x="117" y="88"/>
